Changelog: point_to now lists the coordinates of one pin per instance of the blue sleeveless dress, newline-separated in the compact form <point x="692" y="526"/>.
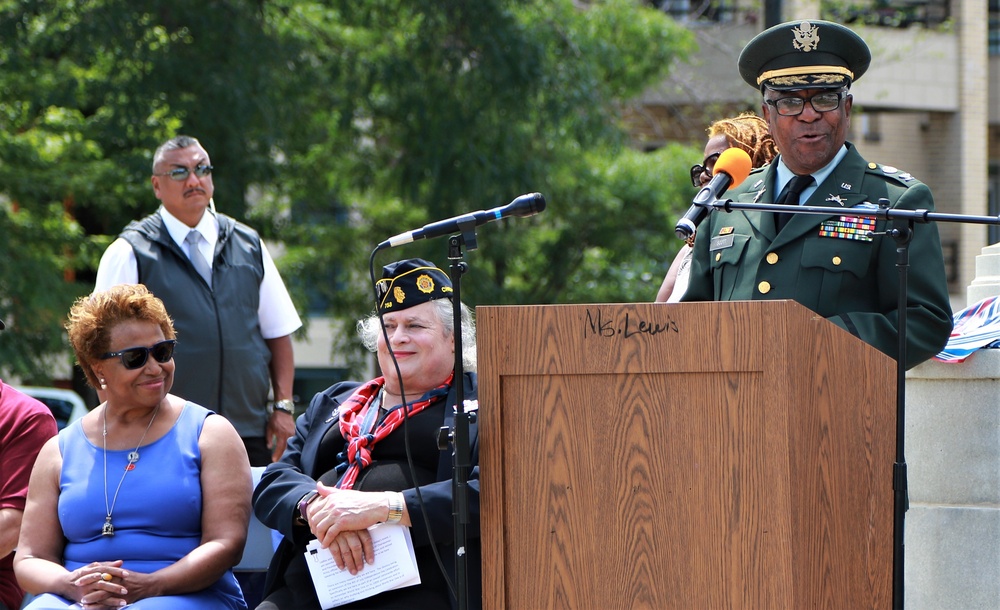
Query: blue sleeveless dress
<point x="157" y="516"/>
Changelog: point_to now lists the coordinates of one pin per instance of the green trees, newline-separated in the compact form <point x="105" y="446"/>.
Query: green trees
<point x="333" y="125"/>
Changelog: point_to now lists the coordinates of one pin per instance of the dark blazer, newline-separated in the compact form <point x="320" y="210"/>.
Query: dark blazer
<point x="851" y="282"/>
<point x="283" y="484"/>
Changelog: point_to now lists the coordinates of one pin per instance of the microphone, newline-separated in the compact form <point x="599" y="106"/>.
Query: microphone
<point x="732" y="167"/>
<point x="525" y="205"/>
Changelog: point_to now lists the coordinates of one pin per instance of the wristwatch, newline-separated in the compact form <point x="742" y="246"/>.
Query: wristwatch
<point x="285" y="405"/>
<point x="303" y="518"/>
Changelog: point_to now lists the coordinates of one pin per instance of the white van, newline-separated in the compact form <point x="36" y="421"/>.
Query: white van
<point x="66" y="405"/>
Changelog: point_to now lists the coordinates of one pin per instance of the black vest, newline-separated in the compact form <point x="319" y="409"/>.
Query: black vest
<point x="222" y="359"/>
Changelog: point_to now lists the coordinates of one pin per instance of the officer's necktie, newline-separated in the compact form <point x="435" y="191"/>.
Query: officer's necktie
<point x="790" y="196"/>
<point x="197" y="258"/>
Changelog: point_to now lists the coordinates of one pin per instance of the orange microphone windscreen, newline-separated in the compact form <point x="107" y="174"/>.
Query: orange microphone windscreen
<point x="735" y="162"/>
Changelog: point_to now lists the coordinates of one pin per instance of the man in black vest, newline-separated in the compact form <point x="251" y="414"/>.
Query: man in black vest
<point x="233" y="315"/>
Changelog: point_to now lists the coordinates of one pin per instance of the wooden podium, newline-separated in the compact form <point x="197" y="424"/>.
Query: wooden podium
<point x="691" y="456"/>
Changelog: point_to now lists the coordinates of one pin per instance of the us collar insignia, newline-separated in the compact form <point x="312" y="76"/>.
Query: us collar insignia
<point x="837" y="199"/>
<point x="846" y="187"/>
<point x="726" y="230"/>
<point x="805" y="37"/>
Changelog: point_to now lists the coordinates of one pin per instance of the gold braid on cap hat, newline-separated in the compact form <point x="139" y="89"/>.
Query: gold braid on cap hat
<point x="804" y="71"/>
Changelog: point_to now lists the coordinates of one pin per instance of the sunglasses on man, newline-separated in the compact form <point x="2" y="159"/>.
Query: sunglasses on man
<point x="181" y="173"/>
<point x="135" y="357"/>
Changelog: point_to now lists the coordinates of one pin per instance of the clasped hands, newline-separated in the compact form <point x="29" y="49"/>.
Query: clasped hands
<point x="340" y="518"/>
<point x="100" y="584"/>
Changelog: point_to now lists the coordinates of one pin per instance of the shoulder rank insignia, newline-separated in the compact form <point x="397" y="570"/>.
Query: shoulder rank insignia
<point x="889" y="169"/>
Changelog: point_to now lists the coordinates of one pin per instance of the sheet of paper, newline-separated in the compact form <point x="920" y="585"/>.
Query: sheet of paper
<point x="395" y="566"/>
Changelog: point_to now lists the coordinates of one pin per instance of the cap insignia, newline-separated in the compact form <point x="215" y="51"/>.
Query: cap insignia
<point x="425" y="284"/>
<point x="398" y="294"/>
<point x="806" y="37"/>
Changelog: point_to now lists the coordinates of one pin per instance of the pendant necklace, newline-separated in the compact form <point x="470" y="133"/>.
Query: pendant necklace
<point x="133" y="457"/>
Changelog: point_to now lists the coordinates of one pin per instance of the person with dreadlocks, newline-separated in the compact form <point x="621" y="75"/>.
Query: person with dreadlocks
<point x="347" y="468"/>
<point x="747" y="131"/>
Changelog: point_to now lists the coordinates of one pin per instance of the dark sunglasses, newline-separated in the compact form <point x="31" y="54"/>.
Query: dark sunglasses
<point x="698" y="170"/>
<point x="181" y="173"/>
<point x="135" y="357"/>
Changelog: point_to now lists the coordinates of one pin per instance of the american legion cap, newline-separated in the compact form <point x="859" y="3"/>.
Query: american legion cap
<point x="411" y="282"/>
<point x="804" y="55"/>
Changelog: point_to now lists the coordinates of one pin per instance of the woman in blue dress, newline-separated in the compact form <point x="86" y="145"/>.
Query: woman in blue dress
<point x="145" y="501"/>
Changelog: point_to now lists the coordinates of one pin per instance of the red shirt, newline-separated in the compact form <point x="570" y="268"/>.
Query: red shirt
<point x="25" y="425"/>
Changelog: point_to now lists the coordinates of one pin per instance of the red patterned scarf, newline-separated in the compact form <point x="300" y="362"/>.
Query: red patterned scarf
<point x="361" y="429"/>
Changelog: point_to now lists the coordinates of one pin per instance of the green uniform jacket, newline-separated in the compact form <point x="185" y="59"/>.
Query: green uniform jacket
<point x="819" y="261"/>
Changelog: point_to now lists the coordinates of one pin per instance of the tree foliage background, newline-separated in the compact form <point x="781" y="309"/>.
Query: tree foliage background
<point x="333" y="125"/>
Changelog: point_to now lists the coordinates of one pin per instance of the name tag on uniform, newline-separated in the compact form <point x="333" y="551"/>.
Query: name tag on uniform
<point x="720" y="242"/>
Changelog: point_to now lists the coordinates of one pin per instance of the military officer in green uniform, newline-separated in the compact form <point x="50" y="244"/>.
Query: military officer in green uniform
<point x="829" y="264"/>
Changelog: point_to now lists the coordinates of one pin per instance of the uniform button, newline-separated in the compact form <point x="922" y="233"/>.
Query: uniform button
<point x="836" y="260"/>
<point x="764" y="287"/>
<point x="772" y="257"/>
<point x="718" y="256"/>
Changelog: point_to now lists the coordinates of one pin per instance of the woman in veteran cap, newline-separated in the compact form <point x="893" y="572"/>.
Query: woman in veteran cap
<point x="346" y="469"/>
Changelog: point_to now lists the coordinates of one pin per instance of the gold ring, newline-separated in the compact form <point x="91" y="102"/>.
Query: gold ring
<point x="106" y="577"/>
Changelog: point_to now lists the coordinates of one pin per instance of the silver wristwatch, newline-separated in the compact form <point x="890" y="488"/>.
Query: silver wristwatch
<point x="285" y="405"/>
